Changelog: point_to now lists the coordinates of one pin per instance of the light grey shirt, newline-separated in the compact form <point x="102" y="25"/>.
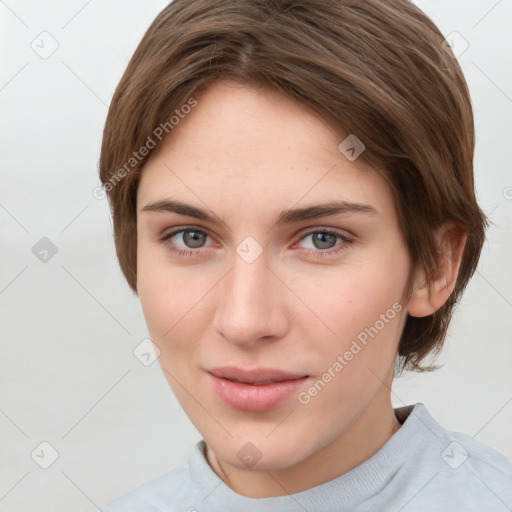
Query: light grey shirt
<point x="422" y="467"/>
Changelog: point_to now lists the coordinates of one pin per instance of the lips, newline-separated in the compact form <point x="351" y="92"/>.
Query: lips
<point x="258" y="390"/>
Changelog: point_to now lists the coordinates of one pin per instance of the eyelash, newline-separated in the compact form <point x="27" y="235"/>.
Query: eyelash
<point x="318" y="253"/>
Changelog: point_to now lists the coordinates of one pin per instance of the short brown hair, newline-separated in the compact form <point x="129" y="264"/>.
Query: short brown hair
<point x="376" y="68"/>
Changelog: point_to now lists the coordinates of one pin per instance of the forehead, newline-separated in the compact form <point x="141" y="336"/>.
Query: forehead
<point x="253" y="148"/>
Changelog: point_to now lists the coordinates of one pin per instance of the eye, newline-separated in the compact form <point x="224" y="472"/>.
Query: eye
<point x="324" y="242"/>
<point x="191" y="238"/>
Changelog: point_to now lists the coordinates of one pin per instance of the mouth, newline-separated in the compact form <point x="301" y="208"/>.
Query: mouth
<point x="256" y="390"/>
<point x="255" y="377"/>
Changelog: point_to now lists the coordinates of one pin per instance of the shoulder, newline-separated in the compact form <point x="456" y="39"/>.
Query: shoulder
<point x="483" y="466"/>
<point x="157" y="495"/>
<point x="458" y="448"/>
<point x="473" y="474"/>
<point x="453" y="471"/>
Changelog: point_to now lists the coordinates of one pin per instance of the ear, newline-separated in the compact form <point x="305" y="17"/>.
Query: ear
<point x="427" y="298"/>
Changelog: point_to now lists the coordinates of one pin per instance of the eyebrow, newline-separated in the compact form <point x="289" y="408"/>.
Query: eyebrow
<point x="285" y="217"/>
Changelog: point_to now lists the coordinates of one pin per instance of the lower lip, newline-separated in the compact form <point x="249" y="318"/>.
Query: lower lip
<point x="246" y="397"/>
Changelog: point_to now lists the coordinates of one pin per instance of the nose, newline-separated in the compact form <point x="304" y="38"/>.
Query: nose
<point x="250" y="306"/>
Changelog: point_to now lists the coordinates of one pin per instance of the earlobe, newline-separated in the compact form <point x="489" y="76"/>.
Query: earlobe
<point x="427" y="298"/>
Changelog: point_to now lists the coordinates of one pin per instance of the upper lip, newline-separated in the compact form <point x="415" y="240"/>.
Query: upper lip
<point x="260" y="375"/>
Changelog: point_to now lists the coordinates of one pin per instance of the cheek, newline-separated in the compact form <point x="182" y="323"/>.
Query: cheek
<point x="350" y="299"/>
<point x="171" y="304"/>
<point x="167" y="294"/>
<point x="366" y="315"/>
<point x="361" y="312"/>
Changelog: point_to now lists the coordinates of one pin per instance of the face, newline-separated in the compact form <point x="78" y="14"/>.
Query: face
<point x="239" y="266"/>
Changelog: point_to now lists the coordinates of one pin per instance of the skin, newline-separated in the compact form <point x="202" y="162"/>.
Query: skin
<point x="246" y="154"/>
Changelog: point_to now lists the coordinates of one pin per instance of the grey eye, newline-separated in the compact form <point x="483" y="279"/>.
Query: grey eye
<point x="323" y="240"/>
<point x="193" y="239"/>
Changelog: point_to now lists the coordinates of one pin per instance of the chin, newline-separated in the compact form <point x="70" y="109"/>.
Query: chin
<point x="259" y="453"/>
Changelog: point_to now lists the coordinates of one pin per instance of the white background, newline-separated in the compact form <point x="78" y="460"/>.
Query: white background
<point x="69" y="326"/>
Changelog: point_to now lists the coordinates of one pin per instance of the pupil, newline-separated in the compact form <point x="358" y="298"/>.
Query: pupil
<point x="322" y="239"/>
<point x="195" y="240"/>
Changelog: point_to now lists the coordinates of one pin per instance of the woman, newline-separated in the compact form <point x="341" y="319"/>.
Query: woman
<point x="293" y="202"/>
